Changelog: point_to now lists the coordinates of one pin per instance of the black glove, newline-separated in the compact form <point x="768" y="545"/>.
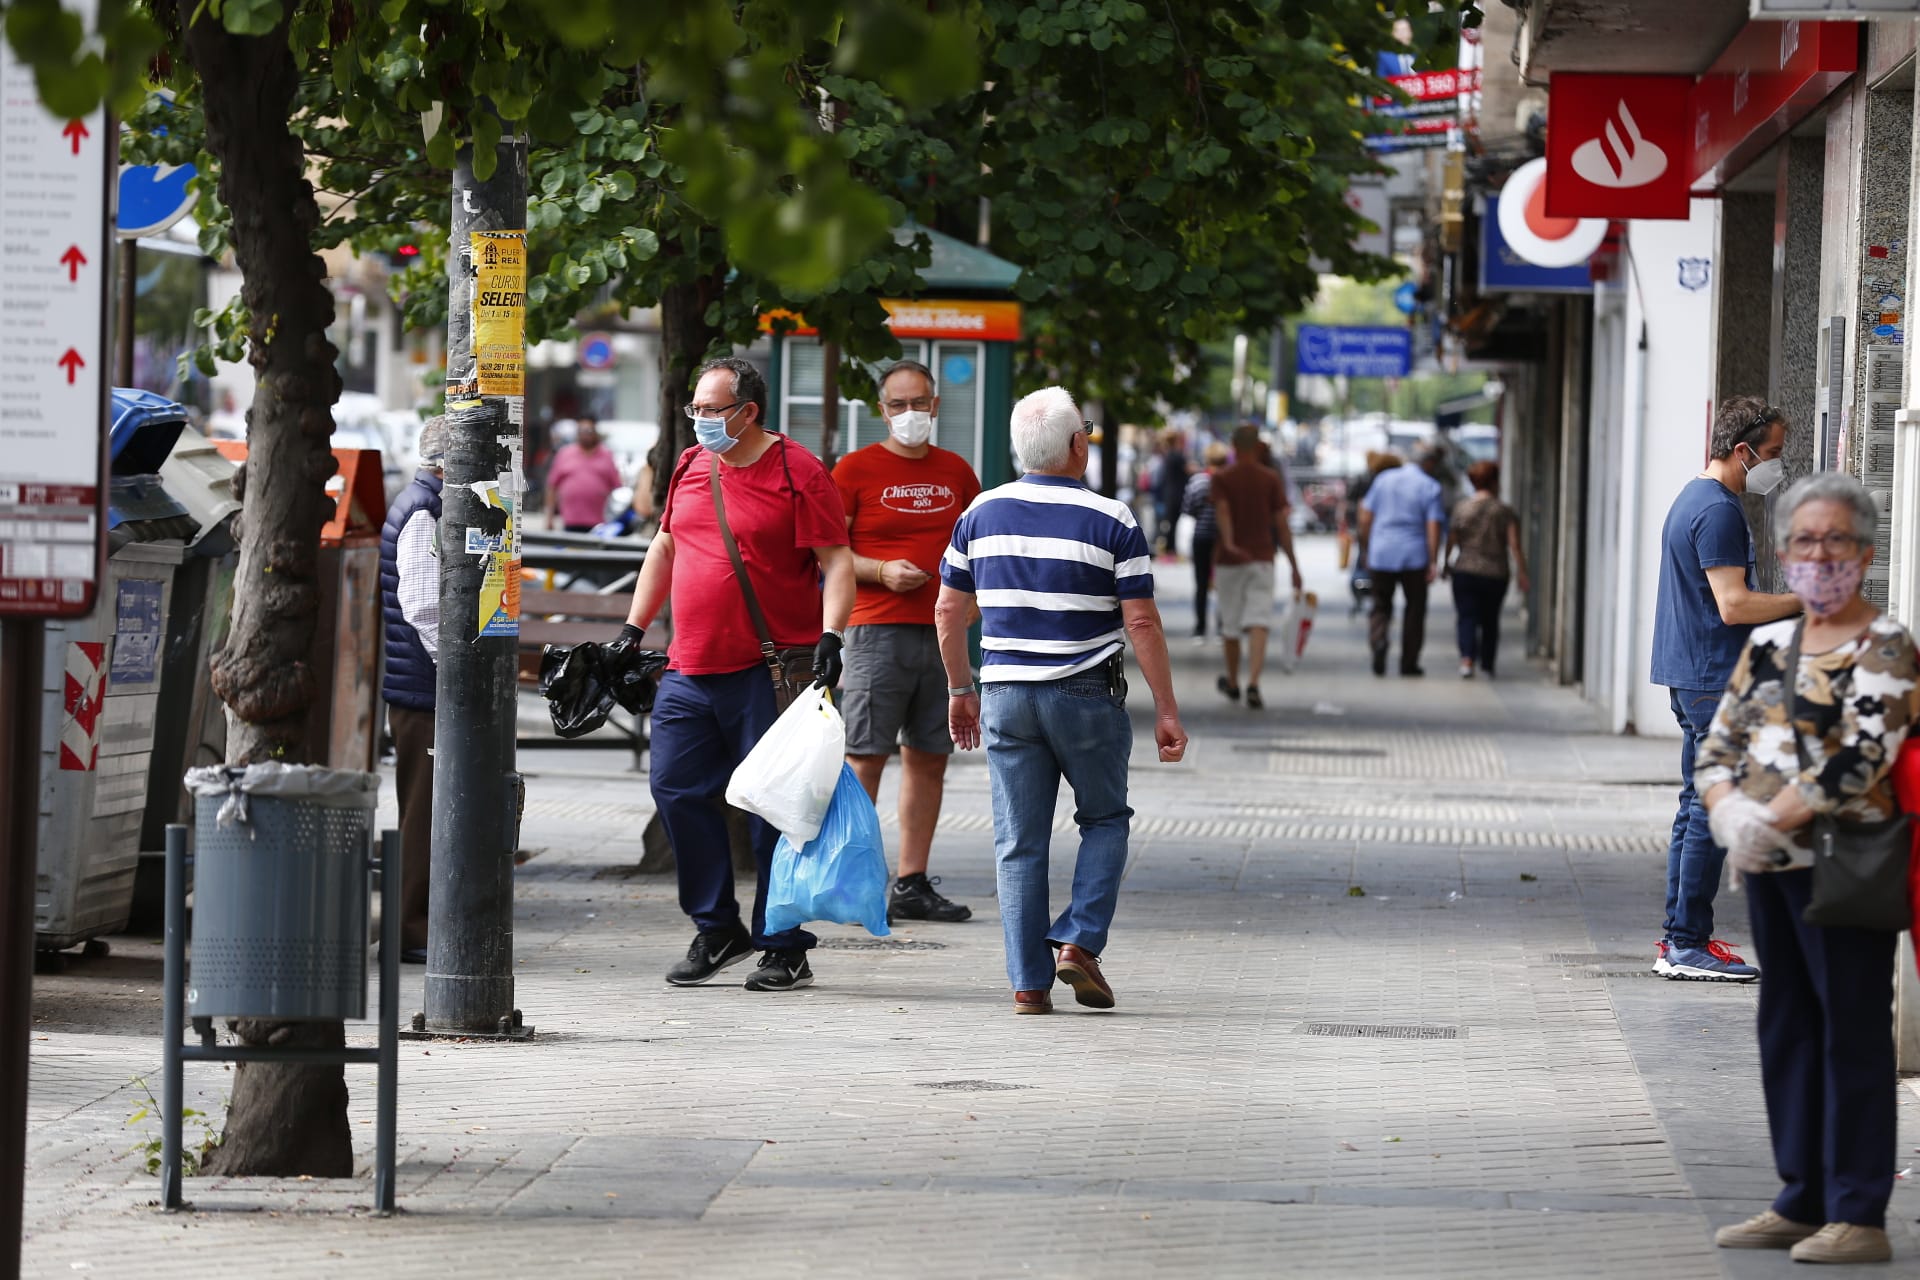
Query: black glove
<point x="826" y="661"/>
<point x="629" y="638"/>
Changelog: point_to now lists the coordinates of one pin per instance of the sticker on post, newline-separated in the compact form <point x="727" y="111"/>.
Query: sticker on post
<point x="500" y="587"/>
<point x="500" y="312"/>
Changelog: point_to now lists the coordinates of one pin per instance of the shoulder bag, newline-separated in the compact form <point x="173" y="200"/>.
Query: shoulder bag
<point x="1859" y="868"/>
<point x="792" y="669"/>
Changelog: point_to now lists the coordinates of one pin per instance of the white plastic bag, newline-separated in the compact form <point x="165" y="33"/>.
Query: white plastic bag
<point x="1183" y="528"/>
<point x="1296" y="624"/>
<point x="789" y="776"/>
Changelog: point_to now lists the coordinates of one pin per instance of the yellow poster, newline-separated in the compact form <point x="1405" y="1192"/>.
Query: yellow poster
<point x="500" y="585"/>
<point x="500" y="312"/>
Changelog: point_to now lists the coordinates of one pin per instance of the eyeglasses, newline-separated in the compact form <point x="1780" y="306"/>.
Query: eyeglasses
<point x="1088" y="428"/>
<point x="711" y="411"/>
<point x="1767" y="416"/>
<point x="923" y="405"/>
<point x="1838" y="545"/>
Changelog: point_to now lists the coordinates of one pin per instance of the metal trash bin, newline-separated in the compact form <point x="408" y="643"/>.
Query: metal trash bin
<point x="100" y="688"/>
<point x="283" y="860"/>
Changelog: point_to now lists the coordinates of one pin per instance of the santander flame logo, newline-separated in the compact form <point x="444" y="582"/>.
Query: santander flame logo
<point x="1620" y="157"/>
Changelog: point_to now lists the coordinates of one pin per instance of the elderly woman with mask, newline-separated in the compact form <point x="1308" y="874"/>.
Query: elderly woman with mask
<point x="1825" y="1021"/>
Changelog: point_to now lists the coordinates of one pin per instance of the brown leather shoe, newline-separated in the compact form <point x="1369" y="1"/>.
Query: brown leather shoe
<point x="1032" y="1002"/>
<point x="1081" y="971"/>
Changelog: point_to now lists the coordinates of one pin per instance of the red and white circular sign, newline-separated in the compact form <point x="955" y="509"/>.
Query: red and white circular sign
<point x="1540" y="239"/>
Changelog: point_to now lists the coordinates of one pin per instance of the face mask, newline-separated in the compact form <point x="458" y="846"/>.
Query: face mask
<point x="912" y="428"/>
<point x="712" y="434"/>
<point x="1824" y="586"/>
<point x="1764" y="477"/>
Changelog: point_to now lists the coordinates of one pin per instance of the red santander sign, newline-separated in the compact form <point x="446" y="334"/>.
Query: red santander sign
<point x="1619" y="146"/>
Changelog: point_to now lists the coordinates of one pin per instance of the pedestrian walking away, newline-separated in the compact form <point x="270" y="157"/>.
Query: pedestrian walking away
<point x="1062" y="578"/>
<point x="583" y="476"/>
<point x="1169" y="488"/>
<point x="1250" y="504"/>
<point x="746" y="488"/>
<point x="410" y="621"/>
<point x="1706" y="607"/>
<point x="1483" y="555"/>
<point x="902" y="496"/>
<point x="1809" y="727"/>
<point x="1401" y="520"/>
<point x="1198" y="503"/>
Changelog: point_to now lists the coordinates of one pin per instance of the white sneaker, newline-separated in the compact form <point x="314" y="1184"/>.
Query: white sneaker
<point x="1466" y="668"/>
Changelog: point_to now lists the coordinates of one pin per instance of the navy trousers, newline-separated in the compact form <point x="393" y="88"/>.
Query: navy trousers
<point x="1826" y="1056"/>
<point x="703" y="727"/>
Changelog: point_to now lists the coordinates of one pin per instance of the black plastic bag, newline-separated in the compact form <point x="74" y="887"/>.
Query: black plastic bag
<point x="583" y="683"/>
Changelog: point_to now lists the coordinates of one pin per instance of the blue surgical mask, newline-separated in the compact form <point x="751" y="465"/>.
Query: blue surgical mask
<point x="712" y="434"/>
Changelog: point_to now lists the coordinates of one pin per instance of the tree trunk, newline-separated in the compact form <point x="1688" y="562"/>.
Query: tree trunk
<point x="283" y="1119"/>
<point x="686" y="337"/>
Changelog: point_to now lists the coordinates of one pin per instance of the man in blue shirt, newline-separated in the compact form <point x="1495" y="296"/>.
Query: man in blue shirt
<point x="1063" y="579"/>
<point x="1401" y="519"/>
<point x="1707" y="605"/>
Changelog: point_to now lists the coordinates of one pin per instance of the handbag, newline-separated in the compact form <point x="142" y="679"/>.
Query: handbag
<point x="792" y="669"/>
<point x="1859" y="868"/>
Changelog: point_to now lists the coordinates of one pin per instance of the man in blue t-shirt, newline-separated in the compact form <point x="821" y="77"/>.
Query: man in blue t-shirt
<point x="1707" y="606"/>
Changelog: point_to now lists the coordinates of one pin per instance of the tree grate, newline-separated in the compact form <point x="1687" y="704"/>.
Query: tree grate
<point x="1277" y="748"/>
<point x="970" y="1086"/>
<point x="878" y="944"/>
<point x="1380" y="1031"/>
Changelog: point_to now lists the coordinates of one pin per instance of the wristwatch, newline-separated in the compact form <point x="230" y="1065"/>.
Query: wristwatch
<point x="963" y="691"/>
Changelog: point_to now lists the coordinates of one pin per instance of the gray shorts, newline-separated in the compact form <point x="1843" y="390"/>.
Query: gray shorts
<point x="894" y="690"/>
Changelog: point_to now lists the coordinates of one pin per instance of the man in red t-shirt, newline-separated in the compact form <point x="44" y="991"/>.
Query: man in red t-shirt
<point x="716" y="699"/>
<point x="903" y="497"/>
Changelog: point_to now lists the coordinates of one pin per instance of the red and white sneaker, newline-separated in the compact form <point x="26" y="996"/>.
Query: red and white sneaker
<point x="1661" y="964"/>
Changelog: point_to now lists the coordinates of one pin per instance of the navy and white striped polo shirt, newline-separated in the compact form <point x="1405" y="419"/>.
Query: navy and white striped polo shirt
<point x="1048" y="561"/>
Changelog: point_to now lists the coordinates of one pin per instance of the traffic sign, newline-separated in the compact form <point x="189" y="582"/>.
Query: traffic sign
<point x="1357" y="351"/>
<point x="596" y="351"/>
<point x="152" y="197"/>
<point x="1405" y="300"/>
<point x="53" y="238"/>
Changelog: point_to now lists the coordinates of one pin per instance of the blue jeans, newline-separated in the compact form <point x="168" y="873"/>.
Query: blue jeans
<point x="703" y="727"/>
<point x="1694" y="861"/>
<point x="1037" y="732"/>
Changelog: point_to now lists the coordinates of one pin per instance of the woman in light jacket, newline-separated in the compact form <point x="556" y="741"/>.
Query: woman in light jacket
<point x="1826" y="998"/>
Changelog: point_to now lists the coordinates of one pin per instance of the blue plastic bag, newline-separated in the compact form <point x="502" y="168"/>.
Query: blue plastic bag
<point x="840" y="875"/>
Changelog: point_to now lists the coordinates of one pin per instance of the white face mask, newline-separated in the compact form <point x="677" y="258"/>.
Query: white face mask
<point x="912" y="428"/>
<point x="1764" y="477"/>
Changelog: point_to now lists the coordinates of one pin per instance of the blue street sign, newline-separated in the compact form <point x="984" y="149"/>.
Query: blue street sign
<point x="1504" y="271"/>
<point x="1358" y="351"/>
<point x="596" y="351"/>
<point x="1403" y="298"/>
<point x="151" y="201"/>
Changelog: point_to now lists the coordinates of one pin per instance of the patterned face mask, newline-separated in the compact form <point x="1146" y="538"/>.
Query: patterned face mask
<point x="1824" y="586"/>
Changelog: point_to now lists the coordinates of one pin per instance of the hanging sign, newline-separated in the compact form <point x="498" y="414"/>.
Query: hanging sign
<point x="500" y="312"/>
<point x="53" y="351"/>
<point x="1618" y="146"/>
<point x="1533" y="234"/>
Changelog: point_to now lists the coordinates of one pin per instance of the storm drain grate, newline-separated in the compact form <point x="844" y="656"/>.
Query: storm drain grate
<point x="1370" y="753"/>
<point x="1591" y="958"/>
<point x="1380" y="1031"/>
<point x="971" y="1086"/>
<point x="878" y="944"/>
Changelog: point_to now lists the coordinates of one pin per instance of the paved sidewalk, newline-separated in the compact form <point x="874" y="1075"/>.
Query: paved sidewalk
<point x="1384" y="1011"/>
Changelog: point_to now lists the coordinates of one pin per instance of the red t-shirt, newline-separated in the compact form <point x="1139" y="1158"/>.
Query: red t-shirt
<point x="903" y="509"/>
<point x="777" y="526"/>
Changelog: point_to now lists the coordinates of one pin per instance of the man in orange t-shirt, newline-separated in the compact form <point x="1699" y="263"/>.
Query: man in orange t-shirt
<point x="903" y="497"/>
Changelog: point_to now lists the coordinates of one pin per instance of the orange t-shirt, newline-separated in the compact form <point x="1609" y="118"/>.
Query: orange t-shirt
<point x="902" y="509"/>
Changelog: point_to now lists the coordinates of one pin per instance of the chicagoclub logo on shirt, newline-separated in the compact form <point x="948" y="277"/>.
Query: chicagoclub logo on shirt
<point x="918" y="499"/>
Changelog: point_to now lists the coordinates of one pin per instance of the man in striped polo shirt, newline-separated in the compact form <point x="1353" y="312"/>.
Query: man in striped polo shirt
<point x="1063" y="578"/>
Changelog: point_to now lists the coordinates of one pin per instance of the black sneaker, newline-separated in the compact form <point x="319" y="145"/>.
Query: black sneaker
<point x="781" y="971"/>
<point x="914" y="898"/>
<point x="710" y="953"/>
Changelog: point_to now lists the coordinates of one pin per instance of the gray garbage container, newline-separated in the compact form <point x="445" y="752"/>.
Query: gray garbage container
<point x="283" y="865"/>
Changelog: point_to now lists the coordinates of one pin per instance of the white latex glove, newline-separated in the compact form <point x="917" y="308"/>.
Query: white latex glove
<point x="1745" y="828"/>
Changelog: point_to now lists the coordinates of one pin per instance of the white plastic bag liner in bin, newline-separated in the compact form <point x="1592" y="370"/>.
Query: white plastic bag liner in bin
<point x="282" y="889"/>
<point x="789" y="776"/>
